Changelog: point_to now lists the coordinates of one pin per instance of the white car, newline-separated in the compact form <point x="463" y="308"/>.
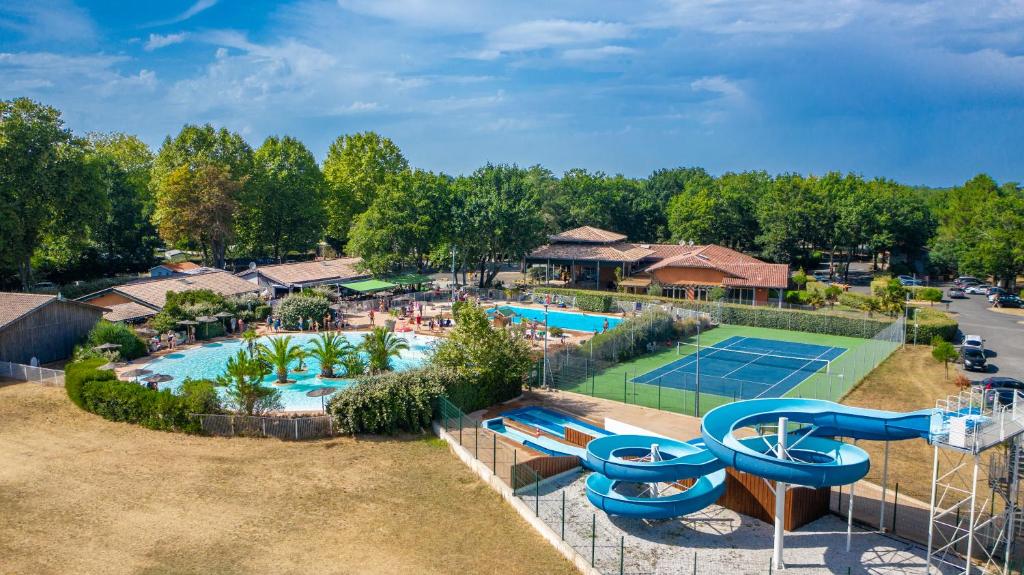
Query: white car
<point x="973" y="342"/>
<point x="982" y="289"/>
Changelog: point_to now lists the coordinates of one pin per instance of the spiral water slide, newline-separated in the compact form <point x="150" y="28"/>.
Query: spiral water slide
<point x="649" y="477"/>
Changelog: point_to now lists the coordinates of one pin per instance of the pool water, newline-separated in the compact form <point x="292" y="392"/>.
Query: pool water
<point x="209" y="361"/>
<point x="552" y="421"/>
<point x="564" y="319"/>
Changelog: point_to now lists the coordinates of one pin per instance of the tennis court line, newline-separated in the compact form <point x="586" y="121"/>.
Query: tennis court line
<point x="745" y="364"/>
<point x="693" y="359"/>
<point x="796" y="371"/>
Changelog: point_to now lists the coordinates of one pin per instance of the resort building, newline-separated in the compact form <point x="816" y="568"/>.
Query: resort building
<point x="134" y="302"/>
<point x="592" y="258"/>
<point x="168" y="269"/>
<point x="280" y="279"/>
<point x="45" y="327"/>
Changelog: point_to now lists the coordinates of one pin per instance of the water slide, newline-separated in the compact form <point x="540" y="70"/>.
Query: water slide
<point x="636" y="475"/>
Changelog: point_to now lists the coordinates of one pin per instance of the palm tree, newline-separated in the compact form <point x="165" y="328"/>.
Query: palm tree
<point x="243" y="379"/>
<point x="330" y="349"/>
<point x="250" y="336"/>
<point x="382" y="345"/>
<point x="280" y="354"/>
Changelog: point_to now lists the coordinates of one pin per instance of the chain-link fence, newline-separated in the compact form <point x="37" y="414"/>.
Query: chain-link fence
<point x="610" y="368"/>
<point x="22" y="372"/>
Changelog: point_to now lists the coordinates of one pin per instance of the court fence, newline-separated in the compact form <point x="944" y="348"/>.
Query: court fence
<point x="41" y="375"/>
<point x="288" y="428"/>
<point x="598" y="374"/>
<point x="604" y="544"/>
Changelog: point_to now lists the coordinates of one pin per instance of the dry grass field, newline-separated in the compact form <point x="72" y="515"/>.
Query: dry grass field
<point x="79" y="494"/>
<point x="909" y="380"/>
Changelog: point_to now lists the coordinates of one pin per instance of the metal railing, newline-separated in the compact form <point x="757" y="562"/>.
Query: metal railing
<point x="287" y="428"/>
<point x="41" y="375"/>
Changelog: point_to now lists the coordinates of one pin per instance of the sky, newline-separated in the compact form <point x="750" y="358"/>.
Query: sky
<point x="927" y="93"/>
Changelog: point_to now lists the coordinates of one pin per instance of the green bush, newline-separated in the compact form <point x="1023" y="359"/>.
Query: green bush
<point x="797" y="297"/>
<point x="303" y="306"/>
<point x="932" y="323"/>
<point x="631" y="337"/>
<point x="120" y="334"/>
<point x="100" y="392"/>
<point x="929" y="294"/>
<point x="389" y="403"/>
<point x="595" y="302"/>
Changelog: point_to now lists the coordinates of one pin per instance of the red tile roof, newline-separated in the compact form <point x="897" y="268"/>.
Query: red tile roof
<point x="180" y="266"/>
<point x="616" y="252"/>
<point x="741" y="270"/>
<point x="588" y="234"/>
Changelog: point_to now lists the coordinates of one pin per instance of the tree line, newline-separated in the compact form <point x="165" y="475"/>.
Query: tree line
<point x="76" y="207"/>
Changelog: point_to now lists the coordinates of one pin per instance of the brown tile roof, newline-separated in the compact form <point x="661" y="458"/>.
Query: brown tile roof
<point x="741" y="270"/>
<point x="180" y="266"/>
<point x="128" y="311"/>
<point x="14" y="306"/>
<point x="314" y="271"/>
<point x="153" y="293"/>
<point x="588" y="234"/>
<point x="616" y="252"/>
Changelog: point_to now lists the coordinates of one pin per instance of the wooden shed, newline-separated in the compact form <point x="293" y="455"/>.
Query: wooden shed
<point x="46" y="327"/>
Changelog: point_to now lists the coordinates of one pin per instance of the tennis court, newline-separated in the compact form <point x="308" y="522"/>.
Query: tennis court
<point x="743" y="367"/>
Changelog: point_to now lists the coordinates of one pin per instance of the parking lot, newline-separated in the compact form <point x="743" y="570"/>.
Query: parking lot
<point x="1003" y="333"/>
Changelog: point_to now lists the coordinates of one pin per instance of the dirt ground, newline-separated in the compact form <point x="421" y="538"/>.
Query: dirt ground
<point x="909" y="380"/>
<point x="79" y="494"/>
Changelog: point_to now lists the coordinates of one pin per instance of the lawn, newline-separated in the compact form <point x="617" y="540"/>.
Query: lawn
<point x="614" y="383"/>
<point x="79" y="494"/>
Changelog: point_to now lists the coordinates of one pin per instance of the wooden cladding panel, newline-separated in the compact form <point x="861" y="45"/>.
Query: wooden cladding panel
<point x="577" y="437"/>
<point x="753" y="496"/>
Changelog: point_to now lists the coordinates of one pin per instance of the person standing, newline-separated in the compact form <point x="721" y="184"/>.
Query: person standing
<point x="371" y="317"/>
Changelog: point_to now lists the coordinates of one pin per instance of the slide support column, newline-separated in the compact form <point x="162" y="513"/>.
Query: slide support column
<point x="885" y="489"/>
<point x="780" y="497"/>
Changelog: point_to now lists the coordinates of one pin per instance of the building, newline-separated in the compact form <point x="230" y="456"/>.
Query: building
<point x="168" y="269"/>
<point x="284" y="278"/>
<point x="592" y="258"/>
<point x="45" y="327"/>
<point x="137" y="301"/>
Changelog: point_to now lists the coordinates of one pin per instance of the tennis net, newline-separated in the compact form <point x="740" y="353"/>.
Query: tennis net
<point x="748" y="356"/>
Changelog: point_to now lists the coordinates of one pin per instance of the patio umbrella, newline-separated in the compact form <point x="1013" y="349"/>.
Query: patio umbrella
<point x="187" y="322"/>
<point x="206" y="319"/>
<point x="321" y="392"/>
<point x="107" y="347"/>
<point x="223" y="314"/>
<point x="146" y="331"/>
<point x="135" y="373"/>
<point x="158" y="378"/>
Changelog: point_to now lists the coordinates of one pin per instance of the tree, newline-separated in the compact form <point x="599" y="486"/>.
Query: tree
<point x="280" y="353"/>
<point x="210" y="168"/>
<point x="127" y="235"/>
<point x="330" y="349"/>
<point x="719" y="211"/>
<point x="403" y="223"/>
<point x="355" y="167"/>
<point x="243" y="380"/>
<point x="891" y="296"/>
<point x="800" y="278"/>
<point x="786" y="214"/>
<point x="944" y="352"/>
<point x="50" y="187"/>
<point x="282" y="208"/>
<point x="198" y="206"/>
<point x="381" y="345"/>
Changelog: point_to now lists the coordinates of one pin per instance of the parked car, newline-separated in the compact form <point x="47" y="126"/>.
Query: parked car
<point x="909" y="281"/>
<point x="974" y="359"/>
<point x="974" y="341"/>
<point x="821" y="276"/>
<point x="964" y="281"/>
<point x="977" y="289"/>
<point x="1001" y="389"/>
<point x="995" y="290"/>
<point x="1008" y="300"/>
<point x="956" y="293"/>
<point x="999" y="381"/>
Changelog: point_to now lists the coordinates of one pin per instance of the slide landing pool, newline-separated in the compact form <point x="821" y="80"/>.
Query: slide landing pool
<point x="647" y="477"/>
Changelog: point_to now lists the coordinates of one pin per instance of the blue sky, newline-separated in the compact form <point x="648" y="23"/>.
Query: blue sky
<point x="923" y="92"/>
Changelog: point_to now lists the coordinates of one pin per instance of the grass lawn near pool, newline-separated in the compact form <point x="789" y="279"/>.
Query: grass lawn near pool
<point x="79" y="494"/>
<point x="614" y="383"/>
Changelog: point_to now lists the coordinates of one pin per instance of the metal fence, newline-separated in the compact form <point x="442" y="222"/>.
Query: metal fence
<point x="41" y="375"/>
<point x="289" y="428"/>
<point x="594" y="372"/>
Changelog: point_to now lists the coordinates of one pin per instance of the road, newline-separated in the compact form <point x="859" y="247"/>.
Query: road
<point x="1003" y="334"/>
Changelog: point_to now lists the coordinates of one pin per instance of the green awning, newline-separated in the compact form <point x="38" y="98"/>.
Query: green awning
<point x="410" y="279"/>
<point x="368" y="286"/>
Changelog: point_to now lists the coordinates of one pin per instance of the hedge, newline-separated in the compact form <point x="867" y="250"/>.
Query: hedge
<point x="631" y="337"/>
<point x="118" y="333"/>
<point x="821" y="321"/>
<point x="930" y="323"/>
<point x="302" y="306"/>
<point x="99" y="391"/>
<point x="595" y="303"/>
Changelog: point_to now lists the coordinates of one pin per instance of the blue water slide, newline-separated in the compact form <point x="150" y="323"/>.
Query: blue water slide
<point x="815" y="460"/>
<point x="621" y="459"/>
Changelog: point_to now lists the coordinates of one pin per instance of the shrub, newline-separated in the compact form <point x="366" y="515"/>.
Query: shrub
<point x="200" y="396"/>
<point x="303" y="306"/>
<point x="77" y="374"/>
<point x="631" y="337"/>
<point x="120" y="334"/>
<point x="932" y="323"/>
<point x="717" y="293"/>
<point x="797" y="297"/>
<point x="929" y="294"/>
<point x="595" y="302"/>
<point x="389" y="403"/>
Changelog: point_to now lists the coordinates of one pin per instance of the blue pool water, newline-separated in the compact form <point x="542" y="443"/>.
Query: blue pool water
<point x="209" y="361"/>
<point x="563" y="319"/>
<point x="552" y="422"/>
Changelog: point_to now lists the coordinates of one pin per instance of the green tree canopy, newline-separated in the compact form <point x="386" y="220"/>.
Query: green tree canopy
<point x="197" y="206"/>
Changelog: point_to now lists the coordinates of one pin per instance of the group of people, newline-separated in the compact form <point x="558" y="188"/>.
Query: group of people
<point x="328" y="323"/>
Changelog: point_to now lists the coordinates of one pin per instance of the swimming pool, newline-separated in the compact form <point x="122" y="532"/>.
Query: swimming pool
<point x="564" y="319"/>
<point x="209" y="360"/>
<point x="552" y="421"/>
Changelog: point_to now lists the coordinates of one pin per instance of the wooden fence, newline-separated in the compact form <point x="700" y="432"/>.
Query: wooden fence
<point x="41" y="375"/>
<point x="289" y="428"/>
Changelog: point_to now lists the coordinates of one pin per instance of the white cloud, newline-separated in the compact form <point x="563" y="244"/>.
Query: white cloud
<point x="157" y="41"/>
<point x="598" y="53"/>
<point x="47" y="21"/>
<point x="193" y="10"/>
<point x="717" y="84"/>
<point x="44" y="72"/>
<point x="539" y="34"/>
